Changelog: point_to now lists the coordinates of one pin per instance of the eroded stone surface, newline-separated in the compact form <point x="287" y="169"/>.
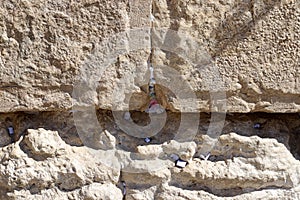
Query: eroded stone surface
<point x="239" y="167"/>
<point x="48" y="166"/>
<point x="248" y="50"/>
<point x="94" y="191"/>
<point x="253" y="46"/>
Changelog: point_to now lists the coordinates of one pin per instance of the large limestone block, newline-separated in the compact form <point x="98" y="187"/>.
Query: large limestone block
<point x="251" y="47"/>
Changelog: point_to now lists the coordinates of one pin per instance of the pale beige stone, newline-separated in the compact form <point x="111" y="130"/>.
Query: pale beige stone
<point x="252" y="47"/>
<point x="248" y="50"/>
<point x="44" y="143"/>
<point x="240" y="166"/>
<point x="106" y="140"/>
<point x="49" y="164"/>
<point x="149" y="151"/>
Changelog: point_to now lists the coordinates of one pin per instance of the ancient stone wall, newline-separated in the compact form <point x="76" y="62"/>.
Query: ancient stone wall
<point x="252" y="45"/>
<point x="68" y="68"/>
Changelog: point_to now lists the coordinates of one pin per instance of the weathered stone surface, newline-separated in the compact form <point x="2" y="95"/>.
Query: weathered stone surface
<point x="43" y="44"/>
<point x="250" y="159"/>
<point x="180" y="194"/>
<point x="253" y="46"/>
<point x="239" y="167"/>
<point x="44" y="143"/>
<point x="43" y="164"/>
<point x="185" y="150"/>
<point x="252" y="43"/>
<point x="106" y="141"/>
<point x="57" y="54"/>
<point x="150" y="151"/>
<point x="94" y="191"/>
<point x="147" y="194"/>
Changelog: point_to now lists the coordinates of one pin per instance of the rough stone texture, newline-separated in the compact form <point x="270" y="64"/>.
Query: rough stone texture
<point x="238" y="163"/>
<point x="41" y="165"/>
<point x="38" y="143"/>
<point x="252" y="44"/>
<point x="43" y="44"/>
<point x="240" y="167"/>
<point x="94" y="191"/>
<point x="248" y="50"/>
<point x="106" y="140"/>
